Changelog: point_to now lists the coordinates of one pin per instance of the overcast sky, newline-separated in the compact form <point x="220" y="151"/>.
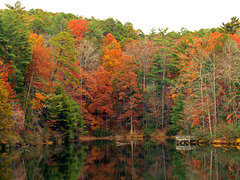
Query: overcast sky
<point x="145" y="14"/>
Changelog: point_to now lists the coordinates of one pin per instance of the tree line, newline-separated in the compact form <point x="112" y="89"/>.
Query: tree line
<point x="63" y="75"/>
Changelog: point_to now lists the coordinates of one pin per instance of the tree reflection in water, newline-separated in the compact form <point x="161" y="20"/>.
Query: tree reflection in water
<point x="121" y="160"/>
<point x="149" y="160"/>
<point x="52" y="162"/>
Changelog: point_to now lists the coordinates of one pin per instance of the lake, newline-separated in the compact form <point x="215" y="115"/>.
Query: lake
<point x="120" y="160"/>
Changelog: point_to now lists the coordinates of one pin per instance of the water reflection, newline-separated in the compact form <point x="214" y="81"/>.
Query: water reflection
<point x="120" y="160"/>
<point x="55" y="162"/>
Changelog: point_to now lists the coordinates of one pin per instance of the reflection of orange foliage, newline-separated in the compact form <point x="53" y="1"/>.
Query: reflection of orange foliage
<point x="95" y="151"/>
<point x="100" y="171"/>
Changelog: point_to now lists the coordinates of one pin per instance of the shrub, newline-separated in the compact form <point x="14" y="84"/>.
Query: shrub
<point x="102" y="133"/>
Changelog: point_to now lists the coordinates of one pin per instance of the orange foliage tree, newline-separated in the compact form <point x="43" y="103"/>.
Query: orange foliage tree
<point x="18" y="115"/>
<point x="83" y="95"/>
<point x="111" y="52"/>
<point x="5" y="109"/>
<point x="94" y="95"/>
<point x="101" y="105"/>
<point x="126" y="92"/>
<point x="142" y="52"/>
<point x="38" y="73"/>
<point x="4" y="71"/>
<point x="78" y="27"/>
<point x="207" y="75"/>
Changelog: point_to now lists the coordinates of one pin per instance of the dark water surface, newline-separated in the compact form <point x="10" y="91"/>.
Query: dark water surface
<point x="120" y="160"/>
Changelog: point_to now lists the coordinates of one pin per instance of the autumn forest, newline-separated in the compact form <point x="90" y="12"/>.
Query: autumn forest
<point x="62" y="76"/>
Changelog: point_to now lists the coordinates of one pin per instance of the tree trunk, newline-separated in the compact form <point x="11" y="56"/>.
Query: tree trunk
<point x="131" y="124"/>
<point x="163" y="102"/>
<point x="163" y="83"/>
<point x="30" y="85"/>
<point x="201" y="89"/>
<point x="144" y="87"/>
<point x="214" y="99"/>
<point x="209" y="119"/>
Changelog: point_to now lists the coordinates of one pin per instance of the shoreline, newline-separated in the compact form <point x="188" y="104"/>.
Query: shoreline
<point x="156" y="137"/>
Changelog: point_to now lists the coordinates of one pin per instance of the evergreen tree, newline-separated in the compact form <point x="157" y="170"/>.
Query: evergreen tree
<point x="15" y="48"/>
<point x="161" y="66"/>
<point x="94" y="33"/>
<point x="66" y="60"/>
<point x="59" y="24"/>
<point x="231" y="27"/>
<point x="64" y="112"/>
<point x="177" y="115"/>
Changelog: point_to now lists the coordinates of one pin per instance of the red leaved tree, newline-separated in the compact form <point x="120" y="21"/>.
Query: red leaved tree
<point x="111" y="53"/>
<point x="78" y="27"/>
<point x="126" y="92"/>
<point x="101" y="105"/>
<point x="38" y="73"/>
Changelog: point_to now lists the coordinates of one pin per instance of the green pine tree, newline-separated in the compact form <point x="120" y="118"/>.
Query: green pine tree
<point x="162" y="64"/>
<point x="66" y="57"/>
<point x="231" y="27"/>
<point x="65" y="111"/>
<point x="177" y="115"/>
<point x="15" y="48"/>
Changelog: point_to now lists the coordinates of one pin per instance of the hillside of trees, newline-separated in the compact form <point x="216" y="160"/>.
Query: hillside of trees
<point x="62" y="76"/>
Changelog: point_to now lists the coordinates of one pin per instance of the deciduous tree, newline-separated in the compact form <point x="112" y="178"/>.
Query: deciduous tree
<point x="38" y="73"/>
<point x="78" y="28"/>
<point x="5" y="110"/>
<point x="111" y="53"/>
<point x="142" y="52"/>
<point x="88" y="56"/>
<point x="127" y="92"/>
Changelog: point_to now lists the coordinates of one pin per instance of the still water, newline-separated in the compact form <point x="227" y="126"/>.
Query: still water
<point x="120" y="160"/>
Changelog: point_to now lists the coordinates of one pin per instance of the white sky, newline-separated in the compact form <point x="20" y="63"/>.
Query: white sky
<point x="145" y="14"/>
